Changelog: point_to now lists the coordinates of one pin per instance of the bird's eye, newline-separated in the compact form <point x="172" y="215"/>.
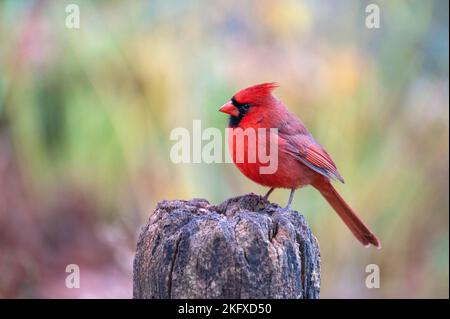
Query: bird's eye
<point x="240" y="106"/>
<point x="245" y="106"/>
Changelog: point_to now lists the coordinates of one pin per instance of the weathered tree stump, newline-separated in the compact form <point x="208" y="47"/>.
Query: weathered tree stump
<point x="245" y="247"/>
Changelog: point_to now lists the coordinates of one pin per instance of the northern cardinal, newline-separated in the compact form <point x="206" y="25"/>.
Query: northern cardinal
<point x="301" y="160"/>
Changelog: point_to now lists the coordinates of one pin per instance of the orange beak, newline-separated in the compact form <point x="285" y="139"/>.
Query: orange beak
<point x="229" y="108"/>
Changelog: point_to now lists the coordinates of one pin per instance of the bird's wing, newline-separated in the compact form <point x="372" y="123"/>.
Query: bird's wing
<point x="313" y="155"/>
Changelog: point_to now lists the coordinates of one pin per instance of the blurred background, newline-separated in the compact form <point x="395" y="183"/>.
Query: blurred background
<point x="86" y="115"/>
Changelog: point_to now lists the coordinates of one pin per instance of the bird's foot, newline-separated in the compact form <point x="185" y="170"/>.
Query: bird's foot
<point x="266" y="197"/>
<point x="288" y="206"/>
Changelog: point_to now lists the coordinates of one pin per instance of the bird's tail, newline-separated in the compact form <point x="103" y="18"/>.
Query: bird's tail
<point x="356" y="225"/>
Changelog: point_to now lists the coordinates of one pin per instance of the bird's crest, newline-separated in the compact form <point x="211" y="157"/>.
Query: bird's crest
<point x="255" y="92"/>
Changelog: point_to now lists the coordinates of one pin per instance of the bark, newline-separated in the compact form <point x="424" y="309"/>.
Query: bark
<point x="245" y="247"/>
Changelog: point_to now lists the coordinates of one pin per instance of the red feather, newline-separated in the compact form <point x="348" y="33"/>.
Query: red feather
<point x="255" y="92"/>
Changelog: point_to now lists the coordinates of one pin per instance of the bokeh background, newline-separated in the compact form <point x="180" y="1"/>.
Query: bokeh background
<point x="86" y="115"/>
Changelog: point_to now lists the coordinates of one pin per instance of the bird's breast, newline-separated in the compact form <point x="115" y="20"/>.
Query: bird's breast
<point x="261" y="158"/>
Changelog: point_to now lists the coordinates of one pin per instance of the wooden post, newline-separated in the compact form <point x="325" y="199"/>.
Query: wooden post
<point x="245" y="247"/>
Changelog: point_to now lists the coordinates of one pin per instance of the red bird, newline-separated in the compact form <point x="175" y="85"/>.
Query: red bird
<point x="301" y="160"/>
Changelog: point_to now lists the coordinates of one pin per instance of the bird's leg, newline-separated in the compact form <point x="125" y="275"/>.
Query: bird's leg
<point x="291" y="197"/>
<point x="266" y="197"/>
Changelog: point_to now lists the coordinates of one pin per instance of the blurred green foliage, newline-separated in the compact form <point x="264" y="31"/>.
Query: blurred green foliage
<point x="86" y="114"/>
